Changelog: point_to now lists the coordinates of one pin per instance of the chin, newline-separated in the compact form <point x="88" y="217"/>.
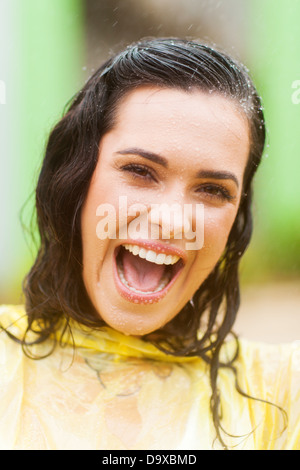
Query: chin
<point x="134" y="319"/>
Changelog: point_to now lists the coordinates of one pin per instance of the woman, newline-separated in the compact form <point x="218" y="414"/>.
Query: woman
<point x="129" y="301"/>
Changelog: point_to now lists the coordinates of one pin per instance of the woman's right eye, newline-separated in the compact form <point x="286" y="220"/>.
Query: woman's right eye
<point x="139" y="171"/>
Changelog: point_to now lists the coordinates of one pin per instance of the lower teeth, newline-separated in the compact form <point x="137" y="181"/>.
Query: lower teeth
<point x="164" y="281"/>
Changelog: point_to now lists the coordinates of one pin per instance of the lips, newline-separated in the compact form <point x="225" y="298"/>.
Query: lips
<point x="144" y="271"/>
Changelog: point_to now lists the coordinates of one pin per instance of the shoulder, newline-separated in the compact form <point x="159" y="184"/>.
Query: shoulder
<point x="13" y="320"/>
<point x="270" y="359"/>
<point x="13" y="323"/>
<point x="266" y="370"/>
<point x="271" y="373"/>
<point x="11" y="354"/>
<point x="12" y="317"/>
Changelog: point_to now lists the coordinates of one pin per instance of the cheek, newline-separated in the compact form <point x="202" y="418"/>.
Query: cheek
<point x="100" y="204"/>
<point x="217" y="226"/>
<point x="94" y="246"/>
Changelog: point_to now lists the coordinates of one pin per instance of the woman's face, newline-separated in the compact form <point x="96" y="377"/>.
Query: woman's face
<point x="188" y="151"/>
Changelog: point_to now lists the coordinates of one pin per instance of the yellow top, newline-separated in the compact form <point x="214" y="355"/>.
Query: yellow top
<point x="115" y="392"/>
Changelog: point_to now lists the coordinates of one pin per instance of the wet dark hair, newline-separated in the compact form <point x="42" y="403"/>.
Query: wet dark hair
<point x="54" y="288"/>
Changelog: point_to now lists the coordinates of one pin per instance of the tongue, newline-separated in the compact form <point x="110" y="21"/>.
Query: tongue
<point x="140" y="273"/>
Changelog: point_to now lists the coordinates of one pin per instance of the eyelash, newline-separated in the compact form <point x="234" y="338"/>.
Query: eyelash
<point x="216" y="191"/>
<point x="213" y="191"/>
<point x="136" y="171"/>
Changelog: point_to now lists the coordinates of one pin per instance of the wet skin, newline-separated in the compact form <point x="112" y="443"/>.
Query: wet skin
<point x="166" y="146"/>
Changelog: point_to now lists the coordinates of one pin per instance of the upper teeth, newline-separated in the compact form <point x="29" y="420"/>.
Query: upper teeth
<point x="152" y="256"/>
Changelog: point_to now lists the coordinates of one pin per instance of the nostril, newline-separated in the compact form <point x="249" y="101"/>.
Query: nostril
<point x="170" y="221"/>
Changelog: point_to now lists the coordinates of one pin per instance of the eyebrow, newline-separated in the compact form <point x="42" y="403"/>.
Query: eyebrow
<point x="154" y="157"/>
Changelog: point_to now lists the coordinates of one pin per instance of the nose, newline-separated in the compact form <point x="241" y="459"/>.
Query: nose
<point x="170" y="220"/>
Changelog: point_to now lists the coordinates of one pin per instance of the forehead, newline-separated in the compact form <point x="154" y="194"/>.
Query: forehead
<point x="169" y="107"/>
<point x="169" y="121"/>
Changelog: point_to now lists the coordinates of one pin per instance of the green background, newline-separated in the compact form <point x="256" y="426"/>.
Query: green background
<point x="49" y="47"/>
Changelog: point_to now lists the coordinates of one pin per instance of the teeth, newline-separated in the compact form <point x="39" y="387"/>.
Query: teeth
<point x="152" y="256"/>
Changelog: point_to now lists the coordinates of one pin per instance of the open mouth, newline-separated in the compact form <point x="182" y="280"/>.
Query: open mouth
<point x="145" y="275"/>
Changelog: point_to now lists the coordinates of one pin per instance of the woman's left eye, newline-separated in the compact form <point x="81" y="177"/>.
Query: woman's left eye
<point x="139" y="171"/>
<point x="215" y="191"/>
